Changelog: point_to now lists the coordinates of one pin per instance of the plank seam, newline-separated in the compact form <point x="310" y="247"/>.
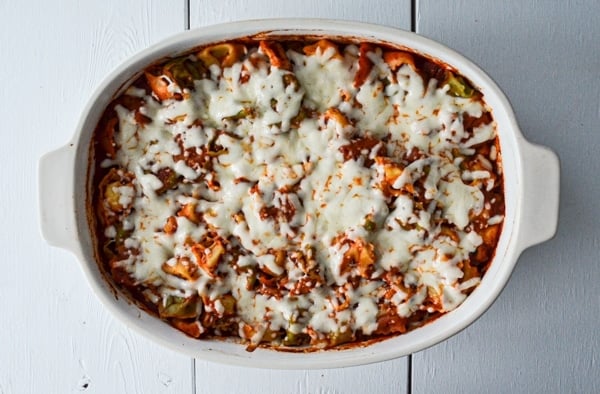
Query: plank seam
<point x="413" y="16"/>
<point x="186" y="7"/>
<point x="413" y="28"/>
<point x="193" y="375"/>
<point x="409" y="377"/>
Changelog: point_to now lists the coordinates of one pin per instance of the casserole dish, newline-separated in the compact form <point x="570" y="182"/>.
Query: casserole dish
<point x="528" y="219"/>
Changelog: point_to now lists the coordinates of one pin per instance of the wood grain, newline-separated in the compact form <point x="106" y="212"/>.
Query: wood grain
<point x="55" y="337"/>
<point x="542" y="333"/>
<point x="388" y="377"/>
<point x="381" y="378"/>
<point x="385" y="12"/>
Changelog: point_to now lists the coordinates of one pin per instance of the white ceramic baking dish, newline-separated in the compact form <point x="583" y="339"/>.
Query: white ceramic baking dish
<point x="531" y="186"/>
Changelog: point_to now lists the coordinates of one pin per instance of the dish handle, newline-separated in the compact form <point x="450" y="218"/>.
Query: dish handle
<point x="56" y="199"/>
<point x="541" y="189"/>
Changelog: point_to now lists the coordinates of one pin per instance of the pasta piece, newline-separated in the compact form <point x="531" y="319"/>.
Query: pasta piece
<point x="170" y="225"/>
<point x="365" y="65"/>
<point x="208" y="257"/>
<point x="388" y="321"/>
<point x="183" y="268"/>
<point x="485" y="251"/>
<point x="321" y="47"/>
<point x="170" y="80"/>
<point x="470" y="271"/>
<point x="361" y="255"/>
<point x="337" y="116"/>
<point x="223" y="55"/>
<point x="111" y="202"/>
<point x="189" y="212"/>
<point x="160" y="84"/>
<point x="391" y="172"/>
<point x="191" y="328"/>
<point x="398" y="58"/>
<point x="276" y="55"/>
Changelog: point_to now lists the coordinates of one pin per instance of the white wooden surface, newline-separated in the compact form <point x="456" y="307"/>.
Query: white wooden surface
<point x="540" y="336"/>
<point x="364" y="379"/>
<point x="396" y="13"/>
<point x="55" y="337"/>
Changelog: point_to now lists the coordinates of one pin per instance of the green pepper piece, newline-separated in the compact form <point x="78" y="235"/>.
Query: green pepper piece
<point x="228" y="302"/>
<point x="370" y="225"/>
<point x="180" y="307"/>
<point x="293" y="339"/>
<point x="251" y="281"/>
<point x="169" y="179"/>
<point x="185" y="72"/>
<point x="339" y="337"/>
<point x="459" y="87"/>
<point x="122" y="234"/>
<point x="290" y="339"/>
<point x="243" y="113"/>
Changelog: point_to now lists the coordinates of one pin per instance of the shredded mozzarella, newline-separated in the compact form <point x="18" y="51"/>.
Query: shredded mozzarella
<point x="280" y="181"/>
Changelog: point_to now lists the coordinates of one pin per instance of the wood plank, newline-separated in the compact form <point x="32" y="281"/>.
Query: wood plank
<point x="212" y="377"/>
<point x="386" y="12"/>
<point x="542" y="333"/>
<point x="55" y="335"/>
<point x="381" y="378"/>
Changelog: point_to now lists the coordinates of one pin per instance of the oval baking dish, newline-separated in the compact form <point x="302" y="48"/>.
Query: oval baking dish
<point x="531" y="181"/>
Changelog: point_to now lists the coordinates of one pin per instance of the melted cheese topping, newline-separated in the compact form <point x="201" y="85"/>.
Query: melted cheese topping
<point x="261" y="162"/>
